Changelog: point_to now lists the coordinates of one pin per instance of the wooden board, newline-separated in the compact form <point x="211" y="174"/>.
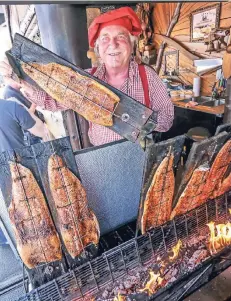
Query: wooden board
<point x="161" y="18"/>
<point x="210" y="110"/>
<point x="43" y="272"/>
<point x="154" y="155"/>
<point x="200" y="153"/>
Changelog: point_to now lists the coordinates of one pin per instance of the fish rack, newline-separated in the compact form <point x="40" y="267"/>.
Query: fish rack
<point x="154" y="155"/>
<point x="131" y="119"/>
<point x="45" y="271"/>
<point x="87" y="280"/>
<point x="203" y="152"/>
<point x="35" y="158"/>
<point x="62" y="148"/>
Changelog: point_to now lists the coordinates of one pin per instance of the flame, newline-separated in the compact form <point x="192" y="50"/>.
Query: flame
<point x="229" y="211"/>
<point x="119" y="298"/>
<point x="220" y="236"/>
<point x="152" y="284"/>
<point x="176" y="250"/>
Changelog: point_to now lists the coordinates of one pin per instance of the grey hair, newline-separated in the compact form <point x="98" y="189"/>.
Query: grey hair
<point x="133" y="41"/>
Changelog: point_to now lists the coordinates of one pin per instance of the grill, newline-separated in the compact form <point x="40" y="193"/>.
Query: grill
<point x="123" y="250"/>
<point x="84" y="281"/>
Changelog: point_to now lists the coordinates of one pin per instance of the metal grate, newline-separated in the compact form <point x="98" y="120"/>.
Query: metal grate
<point x="111" y="265"/>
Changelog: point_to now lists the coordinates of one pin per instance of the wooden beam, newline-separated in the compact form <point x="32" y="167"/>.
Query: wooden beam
<point x="169" y="31"/>
<point x="179" y="47"/>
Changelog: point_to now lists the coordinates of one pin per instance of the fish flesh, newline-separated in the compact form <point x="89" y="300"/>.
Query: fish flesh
<point x="217" y="171"/>
<point x="78" y="224"/>
<point x="205" y="182"/>
<point x="36" y="237"/>
<point x="223" y="187"/>
<point x="158" y="200"/>
<point x="80" y="93"/>
<point x="191" y="196"/>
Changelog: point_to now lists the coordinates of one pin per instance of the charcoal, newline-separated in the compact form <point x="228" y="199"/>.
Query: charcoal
<point x="127" y="284"/>
<point x="105" y="294"/>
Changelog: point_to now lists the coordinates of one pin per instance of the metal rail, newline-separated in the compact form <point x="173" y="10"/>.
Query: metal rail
<point x="116" y="263"/>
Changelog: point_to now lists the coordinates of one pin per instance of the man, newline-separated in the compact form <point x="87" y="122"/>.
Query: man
<point x="14" y="118"/>
<point x="10" y="93"/>
<point x="113" y="35"/>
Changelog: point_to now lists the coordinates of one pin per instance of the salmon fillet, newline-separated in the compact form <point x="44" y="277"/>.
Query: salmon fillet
<point x="191" y="196"/>
<point x="36" y="238"/>
<point x="158" y="201"/>
<point x="223" y="187"/>
<point x="78" y="224"/>
<point x="82" y="94"/>
<point x="217" y="171"/>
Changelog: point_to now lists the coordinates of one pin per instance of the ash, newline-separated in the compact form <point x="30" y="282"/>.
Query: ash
<point x="131" y="286"/>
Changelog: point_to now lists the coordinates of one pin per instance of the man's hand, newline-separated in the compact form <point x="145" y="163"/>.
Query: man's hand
<point x="7" y="71"/>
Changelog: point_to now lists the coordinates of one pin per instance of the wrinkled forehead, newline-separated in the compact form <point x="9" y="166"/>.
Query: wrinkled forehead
<point x="113" y="30"/>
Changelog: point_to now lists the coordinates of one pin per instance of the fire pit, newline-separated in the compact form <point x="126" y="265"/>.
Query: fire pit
<point x="166" y="263"/>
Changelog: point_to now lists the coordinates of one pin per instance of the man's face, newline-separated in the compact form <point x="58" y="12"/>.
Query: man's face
<point x="114" y="46"/>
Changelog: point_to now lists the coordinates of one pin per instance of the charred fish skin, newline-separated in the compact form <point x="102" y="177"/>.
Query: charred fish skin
<point x="36" y="237"/>
<point x="158" y="201"/>
<point x="78" y="224"/>
<point x="191" y="197"/>
<point x="77" y="92"/>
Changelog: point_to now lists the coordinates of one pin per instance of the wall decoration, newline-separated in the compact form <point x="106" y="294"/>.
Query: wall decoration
<point x="171" y="63"/>
<point x="203" y="21"/>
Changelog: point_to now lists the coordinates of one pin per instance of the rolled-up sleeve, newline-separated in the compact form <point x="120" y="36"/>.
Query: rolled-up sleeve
<point x="160" y="101"/>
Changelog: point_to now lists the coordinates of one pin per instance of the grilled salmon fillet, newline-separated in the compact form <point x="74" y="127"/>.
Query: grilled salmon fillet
<point x="222" y="187"/>
<point x="36" y="237"/>
<point x="78" y="224"/>
<point x="217" y="171"/>
<point x="191" y="197"/>
<point x="80" y="93"/>
<point x="158" y="201"/>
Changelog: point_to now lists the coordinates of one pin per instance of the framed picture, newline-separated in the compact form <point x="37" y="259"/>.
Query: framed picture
<point x="203" y="21"/>
<point x="171" y="63"/>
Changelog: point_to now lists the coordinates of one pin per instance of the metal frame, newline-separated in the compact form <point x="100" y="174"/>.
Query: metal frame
<point x="91" y="277"/>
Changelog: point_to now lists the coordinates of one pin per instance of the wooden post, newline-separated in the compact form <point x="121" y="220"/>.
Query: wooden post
<point x="169" y="31"/>
<point x="227" y="113"/>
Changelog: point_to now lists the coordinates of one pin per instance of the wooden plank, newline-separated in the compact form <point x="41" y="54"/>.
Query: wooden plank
<point x="216" y="110"/>
<point x="168" y="33"/>
<point x="181" y="35"/>
<point x="176" y="45"/>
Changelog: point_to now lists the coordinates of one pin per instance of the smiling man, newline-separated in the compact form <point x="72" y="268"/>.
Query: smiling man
<point x="113" y="35"/>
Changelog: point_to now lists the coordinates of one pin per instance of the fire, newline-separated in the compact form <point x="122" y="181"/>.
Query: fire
<point x="120" y="298"/>
<point x="229" y="211"/>
<point x="152" y="284"/>
<point x="220" y="236"/>
<point x="176" y="250"/>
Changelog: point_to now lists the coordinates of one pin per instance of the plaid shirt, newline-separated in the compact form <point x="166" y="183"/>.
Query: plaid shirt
<point x="133" y="87"/>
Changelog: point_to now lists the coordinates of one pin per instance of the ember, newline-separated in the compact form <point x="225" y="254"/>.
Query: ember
<point x="176" y="250"/>
<point x="220" y="236"/>
<point x="119" y="298"/>
<point x="152" y="285"/>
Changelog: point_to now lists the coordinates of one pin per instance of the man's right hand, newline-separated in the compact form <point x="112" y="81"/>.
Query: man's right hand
<point x="6" y="71"/>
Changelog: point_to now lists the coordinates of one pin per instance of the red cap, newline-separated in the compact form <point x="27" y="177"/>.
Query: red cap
<point x="124" y="16"/>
